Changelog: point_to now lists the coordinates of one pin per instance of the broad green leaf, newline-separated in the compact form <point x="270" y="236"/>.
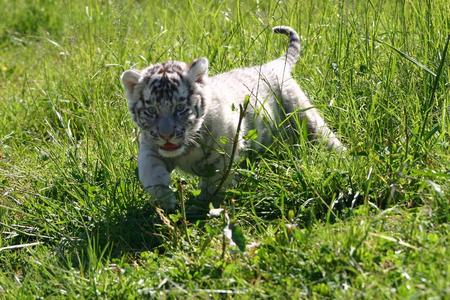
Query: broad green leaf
<point x="252" y="134"/>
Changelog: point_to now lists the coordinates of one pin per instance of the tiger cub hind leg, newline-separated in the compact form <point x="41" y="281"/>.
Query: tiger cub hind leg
<point x="296" y="101"/>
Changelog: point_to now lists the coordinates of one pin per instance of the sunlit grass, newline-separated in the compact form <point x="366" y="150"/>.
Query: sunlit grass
<point x="372" y="223"/>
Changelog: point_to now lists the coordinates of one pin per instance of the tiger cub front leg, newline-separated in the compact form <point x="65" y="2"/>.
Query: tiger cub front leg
<point x="154" y="175"/>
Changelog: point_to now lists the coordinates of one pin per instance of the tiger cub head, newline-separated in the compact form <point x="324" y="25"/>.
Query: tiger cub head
<point x="167" y="102"/>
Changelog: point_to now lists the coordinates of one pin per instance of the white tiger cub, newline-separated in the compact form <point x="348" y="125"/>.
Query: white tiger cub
<point x="184" y="116"/>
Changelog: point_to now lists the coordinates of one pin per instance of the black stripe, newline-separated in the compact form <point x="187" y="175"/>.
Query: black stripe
<point x="202" y="103"/>
<point x="197" y="114"/>
<point x="133" y="109"/>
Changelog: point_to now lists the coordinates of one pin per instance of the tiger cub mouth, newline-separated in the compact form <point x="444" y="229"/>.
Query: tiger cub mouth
<point x="170" y="147"/>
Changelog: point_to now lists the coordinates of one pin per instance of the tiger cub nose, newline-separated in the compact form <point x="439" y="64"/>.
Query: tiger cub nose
<point x="166" y="136"/>
<point x="166" y="128"/>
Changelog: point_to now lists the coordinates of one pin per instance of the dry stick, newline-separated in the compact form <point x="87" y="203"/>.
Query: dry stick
<point x="224" y="246"/>
<point x="226" y="221"/>
<point x="13" y="247"/>
<point x="183" y="210"/>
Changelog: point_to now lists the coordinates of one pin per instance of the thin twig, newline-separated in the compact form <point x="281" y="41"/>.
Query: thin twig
<point x="242" y="111"/>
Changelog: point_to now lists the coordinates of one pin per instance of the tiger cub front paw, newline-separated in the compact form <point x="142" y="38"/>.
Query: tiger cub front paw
<point x="163" y="197"/>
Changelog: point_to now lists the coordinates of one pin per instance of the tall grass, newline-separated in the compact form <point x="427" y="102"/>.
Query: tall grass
<point x="75" y="221"/>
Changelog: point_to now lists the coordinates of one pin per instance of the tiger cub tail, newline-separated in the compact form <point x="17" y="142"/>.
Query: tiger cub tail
<point x="293" y="51"/>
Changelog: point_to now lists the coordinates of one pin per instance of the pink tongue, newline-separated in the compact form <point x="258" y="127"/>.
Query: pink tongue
<point x="170" y="146"/>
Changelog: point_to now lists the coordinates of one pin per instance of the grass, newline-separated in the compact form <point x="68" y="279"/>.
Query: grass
<point x="74" y="221"/>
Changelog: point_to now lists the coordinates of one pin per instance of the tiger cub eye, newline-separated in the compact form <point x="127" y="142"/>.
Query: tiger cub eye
<point x="179" y="107"/>
<point x="152" y="110"/>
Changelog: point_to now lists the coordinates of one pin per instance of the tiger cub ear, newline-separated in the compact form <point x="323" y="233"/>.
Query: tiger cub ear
<point x="198" y="70"/>
<point x="129" y="79"/>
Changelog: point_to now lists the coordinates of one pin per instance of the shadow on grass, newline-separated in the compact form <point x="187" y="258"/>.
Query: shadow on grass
<point x="125" y="234"/>
<point x="136" y="230"/>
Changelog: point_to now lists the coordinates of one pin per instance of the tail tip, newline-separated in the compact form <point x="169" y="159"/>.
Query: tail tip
<point x="286" y="30"/>
<point x="283" y="29"/>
